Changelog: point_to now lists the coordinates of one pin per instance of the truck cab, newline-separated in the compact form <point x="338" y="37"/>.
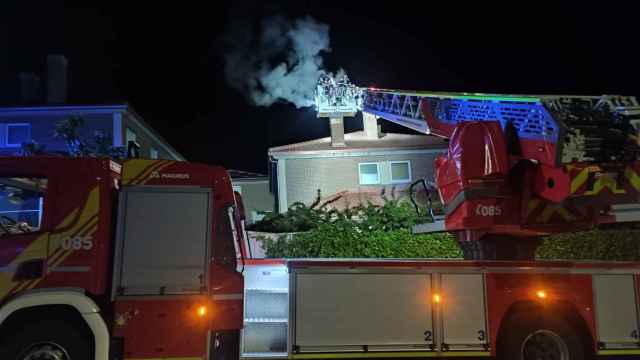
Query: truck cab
<point x="111" y="251"/>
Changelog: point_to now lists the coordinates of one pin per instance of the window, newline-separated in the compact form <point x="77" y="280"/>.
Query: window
<point x="17" y="134"/>
<point x="369" y="173"/>
<point x="153" y="153"/>
<point x="21" y="204"/>
<point x="400" y="171"/>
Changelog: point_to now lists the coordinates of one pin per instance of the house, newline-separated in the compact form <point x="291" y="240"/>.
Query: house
<point x="30" y="115"/>
<point x="120" y="122"/>
<point x="256" y="196"/>
<point x="348" y="169"/>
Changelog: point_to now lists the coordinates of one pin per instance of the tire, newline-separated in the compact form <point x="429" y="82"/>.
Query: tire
<point x="530" y="337"/>
<point x="225" y="345"/>
<point x="45" y="340"/>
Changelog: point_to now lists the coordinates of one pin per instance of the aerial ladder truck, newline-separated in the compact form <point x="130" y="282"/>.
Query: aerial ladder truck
<point x="147" y="259"/>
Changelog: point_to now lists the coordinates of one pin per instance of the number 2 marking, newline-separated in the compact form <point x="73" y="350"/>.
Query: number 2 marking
<point x="428" y="336"/>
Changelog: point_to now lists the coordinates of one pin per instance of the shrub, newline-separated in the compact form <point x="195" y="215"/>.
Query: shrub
<point x="617" y="244"/>
<point x="344" y="239"/>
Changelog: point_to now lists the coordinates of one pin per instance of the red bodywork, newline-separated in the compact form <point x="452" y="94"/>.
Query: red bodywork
<point x="80" y="201"/>
<point x="509" y="284"/>
<point x="487" y="189"/>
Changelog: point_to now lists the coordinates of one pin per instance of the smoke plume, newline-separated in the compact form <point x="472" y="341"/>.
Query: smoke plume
<point x="281" y="63"/>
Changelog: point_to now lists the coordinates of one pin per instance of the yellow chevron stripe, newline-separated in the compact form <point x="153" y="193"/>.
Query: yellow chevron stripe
<point x="605" y="182"/>
<point x="546" y="213"/>
<point x="91" y="224"/>
<point x="579" y="180"/>
<point x="47" y="243"/>
<point x="565" y="214"/>
<point x="532" y="205"/>
<point x="147" y="176"/>
<point x="136" y="170"/>
<point x="633" y="177"/>
<point x="67" y="220"/>
<point x="59" y="260"/>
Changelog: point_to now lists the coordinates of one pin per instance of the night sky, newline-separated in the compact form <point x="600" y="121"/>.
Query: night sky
<point x="166" y="60"/>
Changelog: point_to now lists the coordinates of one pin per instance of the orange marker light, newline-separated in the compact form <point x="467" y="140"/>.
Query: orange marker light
<point x="202" y="311"/>
<point x="436" y="298"/>
<point x="541" y="294"/>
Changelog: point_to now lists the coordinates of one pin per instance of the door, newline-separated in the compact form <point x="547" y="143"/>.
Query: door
<point x="463" y="311"/>
<point x="616" y="310"/>
<point x="362" y="311"/>
<point x="23" y="237"/>
<point x="162" y="241"/>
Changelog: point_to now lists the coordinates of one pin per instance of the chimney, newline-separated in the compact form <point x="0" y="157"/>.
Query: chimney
<point x="29" y="88"/>
<point x="56" y="79"/>
<point x="337" y="131"/>
<point x="370" y="125"/>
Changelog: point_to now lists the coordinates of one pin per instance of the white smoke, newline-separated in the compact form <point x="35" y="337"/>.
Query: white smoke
<point x="282" y="64"/>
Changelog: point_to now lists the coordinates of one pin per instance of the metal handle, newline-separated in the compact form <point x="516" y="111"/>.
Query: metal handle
<point x="413" y="200"/>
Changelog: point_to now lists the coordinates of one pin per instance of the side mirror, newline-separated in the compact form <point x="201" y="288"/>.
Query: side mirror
<point x="240" y="205"/>
<point x="133" y="150"/>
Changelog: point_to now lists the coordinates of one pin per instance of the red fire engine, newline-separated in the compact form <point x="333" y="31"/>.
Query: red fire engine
<point x="140" y="261"/>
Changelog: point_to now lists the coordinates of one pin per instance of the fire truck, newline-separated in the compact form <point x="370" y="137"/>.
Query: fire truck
<point x="148" y="260"/>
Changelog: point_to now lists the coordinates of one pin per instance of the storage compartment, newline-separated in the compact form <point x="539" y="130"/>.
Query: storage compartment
<point x="463" y="311"/>
<point x="360" y="311"/>
<point x="616" y="310"/>
<point x="266" y="311"/>
<point x="163" y="235"/>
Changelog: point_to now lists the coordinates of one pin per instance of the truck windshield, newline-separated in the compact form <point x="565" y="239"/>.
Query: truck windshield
<point x="21" y="204"/>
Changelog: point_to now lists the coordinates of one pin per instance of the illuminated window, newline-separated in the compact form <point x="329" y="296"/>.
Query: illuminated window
<point x="153" y="153"/>
<point x="18" y="134"/>
<point x="400" y="171"/>
<point x="369" y="173"/>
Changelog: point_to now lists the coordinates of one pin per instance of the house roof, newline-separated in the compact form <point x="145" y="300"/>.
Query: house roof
<point x="357" y="142"/>
<point x="245" y="175"/>
<point x="94" y="109"/>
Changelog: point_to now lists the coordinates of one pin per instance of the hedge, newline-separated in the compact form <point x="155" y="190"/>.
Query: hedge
<point x="600" y="244"/>
<point x="370" y="231"/>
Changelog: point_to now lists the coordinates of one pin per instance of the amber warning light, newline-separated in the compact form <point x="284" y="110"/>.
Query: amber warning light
<point x="541" y="294"/>
<point x="202" y="311"/>
<point x="437" y="298"/>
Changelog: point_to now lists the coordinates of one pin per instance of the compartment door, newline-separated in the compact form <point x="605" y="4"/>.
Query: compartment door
<point x="163" y="235"/>
<point x="616" y="310"/>
<point x="463" y="311"/>
<point x="360" y="311"/>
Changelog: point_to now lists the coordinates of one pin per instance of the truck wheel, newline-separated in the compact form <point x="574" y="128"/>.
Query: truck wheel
<point x="531" y="338"/>
<point x="46" y="340"/>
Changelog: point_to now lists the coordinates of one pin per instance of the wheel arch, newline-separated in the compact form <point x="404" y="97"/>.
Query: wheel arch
<point x="566" y="310"/>
<point x="69" y="302"/>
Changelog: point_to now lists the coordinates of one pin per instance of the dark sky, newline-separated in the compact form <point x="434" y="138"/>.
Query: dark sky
<point x="167" y="59"/>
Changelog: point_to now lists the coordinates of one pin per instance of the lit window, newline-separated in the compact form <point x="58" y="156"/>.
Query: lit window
<point x="400" y="171"/>
<point x="369" y="173"/>
<point x="153" y="153"/>
<point x="18" y="134"/>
